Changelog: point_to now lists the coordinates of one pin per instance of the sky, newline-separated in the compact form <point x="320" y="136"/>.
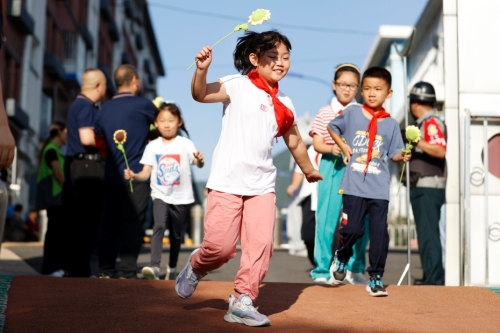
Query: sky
<point x="323" y="34"/>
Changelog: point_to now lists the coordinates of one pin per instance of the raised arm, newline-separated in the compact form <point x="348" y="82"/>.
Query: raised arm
<point x="294" y="142"/>
<point x="202" y="91"/>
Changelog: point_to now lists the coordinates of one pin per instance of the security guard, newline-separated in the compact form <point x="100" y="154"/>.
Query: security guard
<point x="428" y="180"/>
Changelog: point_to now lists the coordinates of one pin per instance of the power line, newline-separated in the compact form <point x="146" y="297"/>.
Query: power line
<point x="285" y="25"/>
<point x="299" y="61"/>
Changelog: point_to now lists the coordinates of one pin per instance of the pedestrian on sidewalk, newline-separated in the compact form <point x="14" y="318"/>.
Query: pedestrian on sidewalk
<point x="124" y="212"/>
<point x="345" y="86"/>
<point x="84" y="173"/>
<point x="167" y="163"/>
<point x="241" y="199"/>
<point x="370" y="136"/>
<point x="14" y="225"/>
<point x="49" y="197"/>
<point x="307" y="198"/>
<point x="32" y="227"/>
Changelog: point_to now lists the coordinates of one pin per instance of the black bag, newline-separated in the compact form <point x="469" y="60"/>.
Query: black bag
<point x="86" y="173"/>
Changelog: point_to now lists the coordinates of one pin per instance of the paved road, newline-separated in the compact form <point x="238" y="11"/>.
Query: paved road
<point x="284" y="267"/>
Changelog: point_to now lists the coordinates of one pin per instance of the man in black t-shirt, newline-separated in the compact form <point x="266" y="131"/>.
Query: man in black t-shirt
<point x="84" y="172"/>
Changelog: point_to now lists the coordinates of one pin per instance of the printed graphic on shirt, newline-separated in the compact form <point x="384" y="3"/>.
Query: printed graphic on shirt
<point x="267" y="108"/>
<point x="169" y="170"/>
<point x="433" y="133"/>
<point x="359" y="148"/>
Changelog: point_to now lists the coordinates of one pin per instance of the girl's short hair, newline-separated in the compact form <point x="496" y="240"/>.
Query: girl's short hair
<point x="173" y="109"/>
<point x="258" y="43"/>
<point x="346" y="68"/>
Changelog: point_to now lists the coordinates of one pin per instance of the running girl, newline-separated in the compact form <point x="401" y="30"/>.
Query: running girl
<point x="241" y="199"/>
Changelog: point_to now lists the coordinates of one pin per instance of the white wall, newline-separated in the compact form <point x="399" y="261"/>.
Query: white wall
<point x="472" y="78"/>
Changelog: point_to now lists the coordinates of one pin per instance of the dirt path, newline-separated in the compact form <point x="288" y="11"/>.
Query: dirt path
<point x="45" y="304"/>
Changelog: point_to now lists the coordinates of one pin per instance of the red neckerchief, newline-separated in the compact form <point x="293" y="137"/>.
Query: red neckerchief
<point x="284" y="116"/>
<point x="372" y="129"/>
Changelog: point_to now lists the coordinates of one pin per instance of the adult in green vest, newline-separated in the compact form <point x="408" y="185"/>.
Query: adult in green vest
<point x="49" y="197"/>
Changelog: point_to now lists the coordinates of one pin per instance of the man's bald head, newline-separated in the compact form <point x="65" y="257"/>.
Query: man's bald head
<point x="124" y="75"/>
<point x="93" y="84"/>
<point x="91" y="78"/>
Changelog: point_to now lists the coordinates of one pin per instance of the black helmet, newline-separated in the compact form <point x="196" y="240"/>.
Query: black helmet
<point x="423" y="92"/>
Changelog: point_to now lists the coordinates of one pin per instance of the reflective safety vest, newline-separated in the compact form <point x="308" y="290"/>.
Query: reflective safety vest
<point x="49" y="191"/>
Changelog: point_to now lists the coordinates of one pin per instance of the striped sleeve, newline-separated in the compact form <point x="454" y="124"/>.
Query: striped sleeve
<point x="320" y="123"/>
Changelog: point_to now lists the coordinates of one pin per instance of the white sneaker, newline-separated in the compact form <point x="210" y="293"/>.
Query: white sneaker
<point x="356" y="278"/>
<point x="241" y="311"/>
<point x="298" y="253"/>
<point x="58" y="273"/>
<point x="321" y="280"/>
<point x="151" y="273"/>
<point x="171" y="273"/>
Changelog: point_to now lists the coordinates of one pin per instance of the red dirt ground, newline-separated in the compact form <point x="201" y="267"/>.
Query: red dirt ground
<point x="47" y="304"/>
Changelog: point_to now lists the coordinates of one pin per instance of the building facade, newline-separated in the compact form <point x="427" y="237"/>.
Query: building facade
<point x="49" y="44"/>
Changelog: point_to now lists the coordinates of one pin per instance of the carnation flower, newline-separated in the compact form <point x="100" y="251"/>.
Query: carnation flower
<point x="413" y="135"/>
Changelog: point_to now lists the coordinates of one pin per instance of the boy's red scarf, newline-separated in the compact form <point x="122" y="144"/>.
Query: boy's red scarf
<point x="372" y="129"/>
<point x="284" y="116"/>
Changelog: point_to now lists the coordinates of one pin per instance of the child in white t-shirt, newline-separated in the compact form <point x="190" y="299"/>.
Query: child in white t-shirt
<point x="167" y="161"/>
<point x="241" y="199"/>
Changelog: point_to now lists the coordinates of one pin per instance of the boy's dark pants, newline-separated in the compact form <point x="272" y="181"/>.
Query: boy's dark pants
<point x="352" y="228"/>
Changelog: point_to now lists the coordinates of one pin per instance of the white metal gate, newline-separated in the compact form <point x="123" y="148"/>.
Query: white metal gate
<point x="480" y="195"/>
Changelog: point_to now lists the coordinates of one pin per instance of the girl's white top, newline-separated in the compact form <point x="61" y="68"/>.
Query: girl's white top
<point x="242" y="162"/>
<point x="306" y="188"/>
<point x="171" y="171"/>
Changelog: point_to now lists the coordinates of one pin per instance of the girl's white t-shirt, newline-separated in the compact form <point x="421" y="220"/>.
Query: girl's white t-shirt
<point x="171" y="179"/>
<point x="242" y="162"/>
<point x="306" y="188"/>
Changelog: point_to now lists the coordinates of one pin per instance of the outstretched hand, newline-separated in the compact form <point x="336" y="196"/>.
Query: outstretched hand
<point x="200" y="161"/>
<point x="314" y="176"/>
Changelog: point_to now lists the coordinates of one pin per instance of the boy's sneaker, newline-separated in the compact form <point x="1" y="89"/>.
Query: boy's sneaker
<point x="241" y="311"/>
<point x="338" y="270"/>
<point x="171" y="273"/>
<point x="151" y="273"/>
<point x="187" y="280"/>
<point x="375" y="287"/>
<point x="356" y="278"/>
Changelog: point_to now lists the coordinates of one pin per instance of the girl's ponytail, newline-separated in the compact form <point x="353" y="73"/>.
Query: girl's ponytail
<point x="243" y="49"/>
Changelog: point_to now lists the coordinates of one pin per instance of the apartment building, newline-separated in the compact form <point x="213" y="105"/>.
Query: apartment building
<point x="49" y="43"/>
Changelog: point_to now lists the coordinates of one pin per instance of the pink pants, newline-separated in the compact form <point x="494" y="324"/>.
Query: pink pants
<point x="230" y="216"/>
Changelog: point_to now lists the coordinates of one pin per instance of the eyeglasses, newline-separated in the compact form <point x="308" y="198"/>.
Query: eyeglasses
<point x="350" y="87"/>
